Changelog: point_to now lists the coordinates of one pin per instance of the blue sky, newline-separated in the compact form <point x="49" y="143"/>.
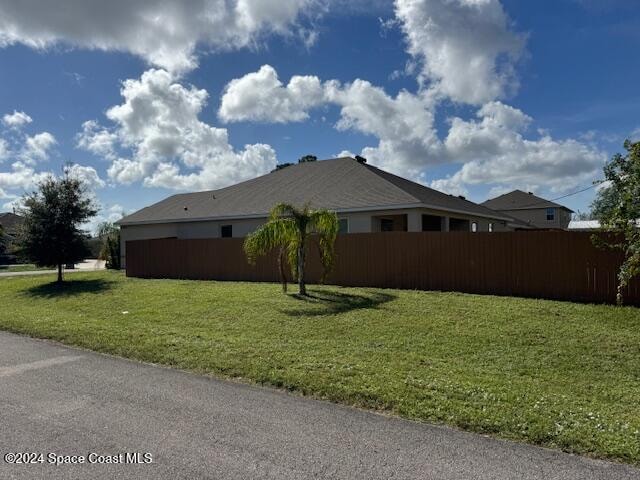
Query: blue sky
<point x="469" y="96"/>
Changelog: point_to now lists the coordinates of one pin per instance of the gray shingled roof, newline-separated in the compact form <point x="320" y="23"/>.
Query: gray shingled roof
<point x="340" y="184"/>
<point x="519" y="200"/>
<point x="10" y="222"/>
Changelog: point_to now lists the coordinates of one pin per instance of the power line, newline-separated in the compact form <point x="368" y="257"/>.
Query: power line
<point x="594" y="184"/>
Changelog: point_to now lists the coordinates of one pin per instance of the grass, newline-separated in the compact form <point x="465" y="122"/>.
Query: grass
<point x="22" y="268"/>
<point x="557" y="374"/>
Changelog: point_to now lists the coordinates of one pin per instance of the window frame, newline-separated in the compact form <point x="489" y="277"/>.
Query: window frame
<point x="385" y="221"/>
<point x="474" y="227"/>
<point x="551" y="212"/>
<point x="223" y="227"/>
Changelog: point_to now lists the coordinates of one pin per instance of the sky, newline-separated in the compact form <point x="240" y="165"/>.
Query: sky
<point x="473" y="97"/>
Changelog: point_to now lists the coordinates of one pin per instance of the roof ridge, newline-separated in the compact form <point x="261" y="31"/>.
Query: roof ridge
<point x="380" y="174"/>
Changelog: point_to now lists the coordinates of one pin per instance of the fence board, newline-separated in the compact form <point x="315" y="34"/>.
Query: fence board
<point x="555" y="265"/>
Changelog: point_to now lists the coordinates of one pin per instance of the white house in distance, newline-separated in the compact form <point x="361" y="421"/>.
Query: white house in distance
<point x="365" y="198"/>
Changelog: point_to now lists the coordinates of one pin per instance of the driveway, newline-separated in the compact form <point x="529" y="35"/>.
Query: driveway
<point x="65" y="401"/>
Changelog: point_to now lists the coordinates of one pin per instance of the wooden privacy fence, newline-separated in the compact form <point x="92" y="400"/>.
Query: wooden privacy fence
<point x="545" y="264"/>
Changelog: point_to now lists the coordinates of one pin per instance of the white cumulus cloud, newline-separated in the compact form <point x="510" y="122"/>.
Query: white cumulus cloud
<point x="97" y="139"/>
<point x="87" y="175"/>
<point x="16" y="119"/>
<point x="495" y="148"/>
<point x="261" y="96"/>
<point x="37" y="147"/>
<point x="403" y="124"/>
<point x="495" y="151"/>
<point x="164" y="33"/>
<point x="168" y="145"/>
<point x="467" y="47"/>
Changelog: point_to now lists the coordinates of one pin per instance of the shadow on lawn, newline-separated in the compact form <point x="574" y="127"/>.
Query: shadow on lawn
<point x="330" y="302"/>
<point x="68" y="288"/>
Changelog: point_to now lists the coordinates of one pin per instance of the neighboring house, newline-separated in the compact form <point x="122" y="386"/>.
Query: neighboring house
<point x="365" y="198"/>
<point x="534" y="211"/>
<point x="11" y="223"/>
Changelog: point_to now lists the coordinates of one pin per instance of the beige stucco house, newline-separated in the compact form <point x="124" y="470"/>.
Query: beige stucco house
<point x="365" y="198"/>
<point x="534" y="211"/>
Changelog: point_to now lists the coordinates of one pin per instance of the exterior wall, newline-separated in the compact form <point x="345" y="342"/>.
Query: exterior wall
<point x="144" y="232"/>
<point x="360" y="222"/>
<point x="538" y="217"/>
<point x="240" y="228"/>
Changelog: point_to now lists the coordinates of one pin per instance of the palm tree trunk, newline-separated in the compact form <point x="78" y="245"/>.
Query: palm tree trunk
<point x="619" y="296"/>
<point x="301" y="285"/>
<point x="283" y="274"/>
<point x="59" y="273"/>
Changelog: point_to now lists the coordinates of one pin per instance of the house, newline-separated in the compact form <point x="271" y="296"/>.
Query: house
<point x="532" y="210"/>
<point x="365" y="198"/>
<point x="11" y="223"/>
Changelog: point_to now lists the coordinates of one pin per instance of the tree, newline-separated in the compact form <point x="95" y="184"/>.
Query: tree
<point x="617" y="207"/>
<point x="288" y="229"/>
<point x="109" y="235"/>
<point x="280" y="166"/>
<point x="51" y="234"/>
<point x="308" y="158"/>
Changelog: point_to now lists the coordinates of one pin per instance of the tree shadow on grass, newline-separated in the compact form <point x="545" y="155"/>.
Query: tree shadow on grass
<point x="69" y="288"/>
<point x="331" y="302"/>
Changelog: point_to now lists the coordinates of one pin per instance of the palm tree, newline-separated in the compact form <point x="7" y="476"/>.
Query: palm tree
<point x="289" y="228"/>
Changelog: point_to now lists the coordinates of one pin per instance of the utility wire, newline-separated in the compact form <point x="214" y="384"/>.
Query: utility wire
<point x="594" y="184"/>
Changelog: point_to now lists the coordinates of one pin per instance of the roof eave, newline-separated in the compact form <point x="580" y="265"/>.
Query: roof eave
<point x="497" y="216"/>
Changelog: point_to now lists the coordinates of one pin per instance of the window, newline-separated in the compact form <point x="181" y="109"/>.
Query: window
<point x="551" y="214"/>
<point x="386" y="225"/>
<point x="226" y="231"/>
<point x="343" y="225"/>
<point x="490" y="227"/>
<point x="431" y="223"/>
<point x="474" y="227"/>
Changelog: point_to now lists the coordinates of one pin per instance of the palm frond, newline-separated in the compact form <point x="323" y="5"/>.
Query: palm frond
<point x="325" y="224"/>
<point x="279" y="232"/>
<point x="285" y="210"/>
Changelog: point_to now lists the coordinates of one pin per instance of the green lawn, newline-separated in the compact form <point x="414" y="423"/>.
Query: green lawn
<point x="552" y="373"/>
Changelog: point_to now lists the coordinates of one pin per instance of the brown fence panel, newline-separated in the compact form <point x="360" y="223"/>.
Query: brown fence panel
<point x="555" y="265"/>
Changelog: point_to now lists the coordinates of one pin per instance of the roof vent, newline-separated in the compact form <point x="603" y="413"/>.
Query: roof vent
<point x="186" y="208"/>
<point x="461" y="197"/>
<point x="530" y="193"/>
<point x="360" y="159"/>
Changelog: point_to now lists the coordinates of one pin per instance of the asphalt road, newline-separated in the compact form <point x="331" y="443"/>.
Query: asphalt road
<point x="65" y="401"/>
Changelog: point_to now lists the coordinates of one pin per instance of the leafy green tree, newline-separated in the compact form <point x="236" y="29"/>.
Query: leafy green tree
<point x="617" y="207"/>
<point x="308" y="158"/>
<point x="51" y="234"/>
<point x="109" y="235"/>
<point x="289" y="229"/>
<point x="280" y="166"/>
